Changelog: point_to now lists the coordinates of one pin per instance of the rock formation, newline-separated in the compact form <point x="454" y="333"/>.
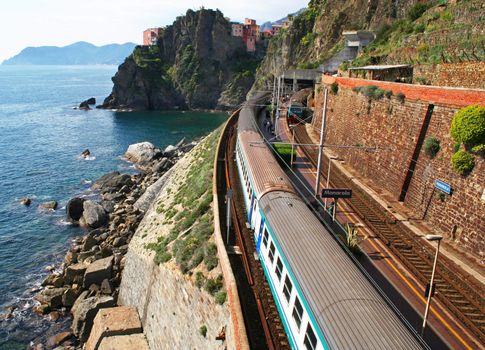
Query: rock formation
<point x="193" y="62"/>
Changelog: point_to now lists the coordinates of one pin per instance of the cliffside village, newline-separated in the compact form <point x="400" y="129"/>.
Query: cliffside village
<point x="249" y="31"/>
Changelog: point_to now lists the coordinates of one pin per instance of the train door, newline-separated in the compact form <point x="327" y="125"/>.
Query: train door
<point x="260" y="235"/>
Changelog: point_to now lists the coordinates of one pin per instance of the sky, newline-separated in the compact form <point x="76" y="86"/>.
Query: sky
<point x="26" y="23"/>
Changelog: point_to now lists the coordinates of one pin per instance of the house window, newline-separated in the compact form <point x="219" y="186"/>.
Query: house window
<point x="297" y="312"/>
<point x="310" y="338"/>
<point x="287" y="289"/>
<point x="271" y="252"/>
<point x="279" y="268"/>
<point x="265" y="238"/>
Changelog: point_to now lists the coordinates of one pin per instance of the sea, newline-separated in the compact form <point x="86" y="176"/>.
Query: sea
<point x="41" y="138"/>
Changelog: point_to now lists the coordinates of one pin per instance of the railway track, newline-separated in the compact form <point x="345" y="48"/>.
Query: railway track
<point x="266" y="308"/>
<point x="463" y="297"/>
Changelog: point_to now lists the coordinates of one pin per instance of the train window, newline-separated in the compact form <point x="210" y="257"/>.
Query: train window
<point x="297" y="312"/>
<point x="287" y="289"/>
<point x="265" y="238"/>
<point x="279" y="268"/>
<point x="310" y="338"/>
<point x="271" y="252"/>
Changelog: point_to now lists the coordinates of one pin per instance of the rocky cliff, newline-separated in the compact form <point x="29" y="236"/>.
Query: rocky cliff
<point x="194" y="61"/>
<point x="408" y="31"/>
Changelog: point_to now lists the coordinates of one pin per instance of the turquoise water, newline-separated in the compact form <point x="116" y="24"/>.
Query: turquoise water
<point x="41" y="137"/>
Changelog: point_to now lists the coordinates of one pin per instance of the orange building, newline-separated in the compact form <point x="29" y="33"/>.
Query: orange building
<point x="150" y="36"/>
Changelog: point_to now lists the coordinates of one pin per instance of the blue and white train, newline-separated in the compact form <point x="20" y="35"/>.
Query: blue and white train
<point x="324" y="300"/>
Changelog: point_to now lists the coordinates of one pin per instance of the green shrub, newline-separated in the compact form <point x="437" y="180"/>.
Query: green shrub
<point x="220" y="297"/>
<point x="479" y="149"/>
<point x="420" y="28"/>
<point x="370" y="91"/>
<point x="456" y="147"/>
<point x="388" y="93"/>
<point x="400" y="97"/>
<point x="344" y="66"/>
<point x="417" y="11"/>
<point x="431" y="146"/>
<point x="203" y="330"/>
<point x="468" y="125"/>
<point x="213" y="285"/>
<point x="334" y="88"/>
<point x="463" y="162"/>
<point x="199" y="279"/>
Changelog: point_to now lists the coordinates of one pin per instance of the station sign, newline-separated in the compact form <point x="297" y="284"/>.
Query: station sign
<point x="442" y="186"/>
<point x="336" y="193"/>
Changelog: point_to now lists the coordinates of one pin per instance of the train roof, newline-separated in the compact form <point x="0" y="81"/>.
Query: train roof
<point x="265" y="172"/>
<point x="247" y="120"/>
<point x="348" y="310"/>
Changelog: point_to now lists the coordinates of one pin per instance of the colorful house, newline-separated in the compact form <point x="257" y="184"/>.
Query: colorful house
<point x="150" y="36"/>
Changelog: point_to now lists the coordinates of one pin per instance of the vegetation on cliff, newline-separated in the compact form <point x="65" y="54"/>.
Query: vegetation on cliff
<point x="194" y="62"/>
<point x="189" y="242"/>
<point x="407" y="31"/>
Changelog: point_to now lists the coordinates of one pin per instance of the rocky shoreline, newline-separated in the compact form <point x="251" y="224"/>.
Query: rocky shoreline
<point x="90" y="275"/>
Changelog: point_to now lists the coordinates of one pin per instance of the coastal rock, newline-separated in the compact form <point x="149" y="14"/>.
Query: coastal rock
<point x="98" y="271"/>
<point x="94" y="215"/>
<point x="51" y="205"/>
<point x="125" y="342"/>
<point x="85" y="153"/>
<point x="84" y="106"/>
<point x="74" y="209"/>
<point x="141" y="152"/>
<point x="51" y="297"/>
<point x="89" y="242"/>
<point x="84" y="313"/>
<point x="169" y="150"/>
<point x="99" y="183"/>
<point x="70" y="295"/>
<point x="91" y="101"/>
<point x="59" y="338"/>
<point x="26" y="201"/>
<point x="75" y="273"/>
<point x="121" y="320"/>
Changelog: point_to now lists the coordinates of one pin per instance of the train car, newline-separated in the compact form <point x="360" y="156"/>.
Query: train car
<point x="324" y="300"/>
<point x="296" y="113"/>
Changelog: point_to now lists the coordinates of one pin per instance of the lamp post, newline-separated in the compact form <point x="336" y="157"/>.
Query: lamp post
<point x="431" y="238"/>
<point x="328" y="175"/>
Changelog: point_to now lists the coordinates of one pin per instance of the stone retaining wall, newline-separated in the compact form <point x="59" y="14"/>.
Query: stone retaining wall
<point x="171" y="308"/>
<point x="393" y="127"/>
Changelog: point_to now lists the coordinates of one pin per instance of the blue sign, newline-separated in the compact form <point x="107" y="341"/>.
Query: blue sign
<point x="440" y="185"/>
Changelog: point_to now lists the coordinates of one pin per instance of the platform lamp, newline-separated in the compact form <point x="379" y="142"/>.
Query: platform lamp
<point x="431" y="238"/>
<point x="330" y="158"/>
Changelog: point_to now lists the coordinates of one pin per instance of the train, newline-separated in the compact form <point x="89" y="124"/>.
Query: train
<point x="324" y="300"/>
<point x="296" y="112"/>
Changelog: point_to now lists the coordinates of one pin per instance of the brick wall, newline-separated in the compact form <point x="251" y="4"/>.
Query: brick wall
<point x="393" y="127"/>
<point x="467" y="74"/>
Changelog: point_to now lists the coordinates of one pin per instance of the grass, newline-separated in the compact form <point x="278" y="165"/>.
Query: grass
<point x="188" y="243"/>
<point x="284" y="151"/>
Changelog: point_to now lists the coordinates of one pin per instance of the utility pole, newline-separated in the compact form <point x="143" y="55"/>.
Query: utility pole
<point x="320" y="151"/>
<point x="273" y="99"/>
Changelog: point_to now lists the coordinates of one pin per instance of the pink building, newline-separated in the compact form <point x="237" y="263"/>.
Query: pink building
<point x="150" y="36"/>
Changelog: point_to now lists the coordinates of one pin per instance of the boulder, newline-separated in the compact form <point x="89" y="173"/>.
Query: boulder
<point x="70" y="295"/>
<point x="122" y="320"/>
<point x="51" y="297"/>
<point x="52" y="205"/>
<point x="74" y="209"/>
<point x="141" y="152"/>
<point x="94" y="215"/>
<point x="59" y="338"/>
<point x="91" y="101"/>
<point x="99" y="183"/>
<point x="85" y="153"/>
<point x="84" y="106"/>
<point x="84" y="312"/>
<point x="98" y="271"/>
<point x="26" y="201"/>
<point x="169" y="150"/>
<point x="75" y="273"/>
<point x="89" y="243"/>
<point x="124" y="342"/>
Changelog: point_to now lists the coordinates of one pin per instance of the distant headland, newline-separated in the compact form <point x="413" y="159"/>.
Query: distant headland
<point x="80" y="53"/>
